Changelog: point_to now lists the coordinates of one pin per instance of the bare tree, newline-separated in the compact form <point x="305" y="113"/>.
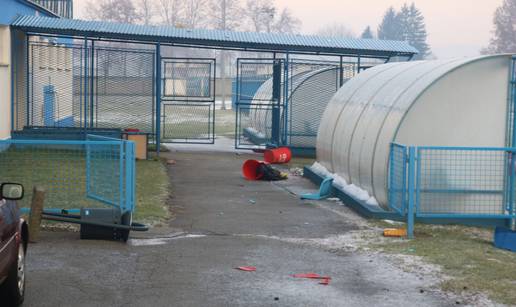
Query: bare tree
<point x="170" y="11"/>
<point x="195" y="13"/>
<point x="261" y="15"/>
<point x="287" y="23"/>
<point x="225" y="15"/>
<point x="335" y="30"/>
<point x="146" y="11"/>
<point x="113" y="10"/>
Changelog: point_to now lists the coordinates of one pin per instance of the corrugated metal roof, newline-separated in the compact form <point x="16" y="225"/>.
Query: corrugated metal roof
<point x="216" y="38"/>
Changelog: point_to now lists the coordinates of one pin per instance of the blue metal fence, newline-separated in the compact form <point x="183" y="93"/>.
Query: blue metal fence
<point x="397" y="178"/>
<point x="96" y="172"/>
<point x="452" y="182"/>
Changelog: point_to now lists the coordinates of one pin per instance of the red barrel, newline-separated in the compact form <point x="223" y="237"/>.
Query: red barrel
<point x="277" y="155"/>
<point x="250" y="169"/>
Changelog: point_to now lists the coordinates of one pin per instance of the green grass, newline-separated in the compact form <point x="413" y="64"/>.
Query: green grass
<point x="152" y="191"/>
<point x="63" y="175"/>
<point x="467" y="255"/>
<point x="192" y="126"/>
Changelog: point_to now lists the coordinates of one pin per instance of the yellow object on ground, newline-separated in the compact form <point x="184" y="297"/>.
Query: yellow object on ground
<point x="395" y="232"/>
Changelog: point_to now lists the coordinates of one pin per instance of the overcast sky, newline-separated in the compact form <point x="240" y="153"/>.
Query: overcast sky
<point x="455" y="27"/>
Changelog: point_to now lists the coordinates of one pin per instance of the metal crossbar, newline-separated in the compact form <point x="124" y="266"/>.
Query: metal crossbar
<point x="75" y="174"/>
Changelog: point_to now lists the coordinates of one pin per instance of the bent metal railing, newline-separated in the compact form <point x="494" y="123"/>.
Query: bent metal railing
<point x="89" y="173"/>
<point x="452" y="182"/>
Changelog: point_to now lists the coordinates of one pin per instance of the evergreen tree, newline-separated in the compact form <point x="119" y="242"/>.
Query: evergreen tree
<point x="390" y="28"/>
<point x="367" y="34"/>
<point x="413" y="29"/>
<point x="504" y="34"/>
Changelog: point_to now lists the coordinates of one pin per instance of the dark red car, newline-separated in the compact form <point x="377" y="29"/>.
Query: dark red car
<point x="14" y="237"/>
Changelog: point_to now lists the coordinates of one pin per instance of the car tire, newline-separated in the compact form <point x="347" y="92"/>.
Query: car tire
<point x="12" y="290"/>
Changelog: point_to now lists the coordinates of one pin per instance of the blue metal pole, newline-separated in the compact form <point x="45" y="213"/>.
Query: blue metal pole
<point x="85" y="82"/>
<point x="411" y="188"/>
<point x="513" y="142"/>
<point x="158" y="97"/>
<point x="341" y="72"/>
<point x="276" y="101"/>
<point x="27" y="79"/>
<point x="286" y="81"/>
<point x="92" y="76"/>
<point x="13" y="47"/>
<point x="237" y="103"/>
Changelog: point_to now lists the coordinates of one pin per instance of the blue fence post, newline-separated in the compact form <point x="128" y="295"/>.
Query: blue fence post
<point x="411" y="196"/>
<point x="512" y="174"/>
<point x="237" y="102"/>
<point x="158" y="98"/>
<point x="86" y="82"/>
<point x="286" y="80"/>
<point x="276" y="97"/>
<point x="130" y="173"/>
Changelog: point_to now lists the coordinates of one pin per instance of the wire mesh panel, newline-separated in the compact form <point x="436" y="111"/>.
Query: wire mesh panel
<point x="124" y="89"/>
<point x="311" y="85"/>
<point x="251" y="133"/>
<point x="398" y="178"/>
<point x="251" y="74"/>
<point x="192" y="122"/>
<point x="464" y="182"/>
<point x="75" y="174"/>
<point x="188" y="79"/>
<point x="56" y="86"/>
<point x="188" y="100"/>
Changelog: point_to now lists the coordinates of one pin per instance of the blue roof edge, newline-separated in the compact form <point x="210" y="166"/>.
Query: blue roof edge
<point x="111" y="30"/>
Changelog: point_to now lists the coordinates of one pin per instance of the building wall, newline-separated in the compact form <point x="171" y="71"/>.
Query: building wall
<point x="12" y="8"/>
<point x="5" y="82"/>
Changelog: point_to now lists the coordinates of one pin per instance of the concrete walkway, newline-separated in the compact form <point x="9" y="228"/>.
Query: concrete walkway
<point x="223" y="221"/>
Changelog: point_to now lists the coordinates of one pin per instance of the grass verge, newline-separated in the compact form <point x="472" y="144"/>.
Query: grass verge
<point x="61" y="171"/>
<point x="467" y="256"/>
<point x="152" y="191"/>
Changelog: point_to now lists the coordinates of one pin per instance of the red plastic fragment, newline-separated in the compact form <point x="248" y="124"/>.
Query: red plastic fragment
<point x="246" y="268"/>
<point x="324" y="280"/>
<point x="307" y="275"/>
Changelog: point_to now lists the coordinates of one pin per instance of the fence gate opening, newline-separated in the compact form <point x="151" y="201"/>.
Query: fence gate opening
<point x="188" y="100"/>
<point x="85" y="86"/>
<point x="259" y="104"/>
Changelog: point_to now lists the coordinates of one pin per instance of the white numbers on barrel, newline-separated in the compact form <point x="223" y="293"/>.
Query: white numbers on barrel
<point x="282" y="157"/>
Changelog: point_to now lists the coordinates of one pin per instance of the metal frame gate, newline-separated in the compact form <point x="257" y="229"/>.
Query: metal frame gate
<point x="260" y="119"/>
<point x="188" y="100"/>
<point x="86" y="86"/>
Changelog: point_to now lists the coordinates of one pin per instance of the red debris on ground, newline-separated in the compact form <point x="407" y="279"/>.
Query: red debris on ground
<point x="324" y="280"/>
<point x="246" y="268"/>
<point x="307" y="275"/>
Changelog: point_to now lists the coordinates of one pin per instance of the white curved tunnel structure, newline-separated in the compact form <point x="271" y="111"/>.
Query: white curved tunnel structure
<point x="310" y="92"/>
<point x="458" y="102"/>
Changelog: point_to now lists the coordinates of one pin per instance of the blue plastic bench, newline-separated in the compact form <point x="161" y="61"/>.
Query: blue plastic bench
<point x="324" y="190"/>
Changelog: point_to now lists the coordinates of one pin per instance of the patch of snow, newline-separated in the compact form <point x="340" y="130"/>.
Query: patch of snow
<point x="340" y="183"/>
